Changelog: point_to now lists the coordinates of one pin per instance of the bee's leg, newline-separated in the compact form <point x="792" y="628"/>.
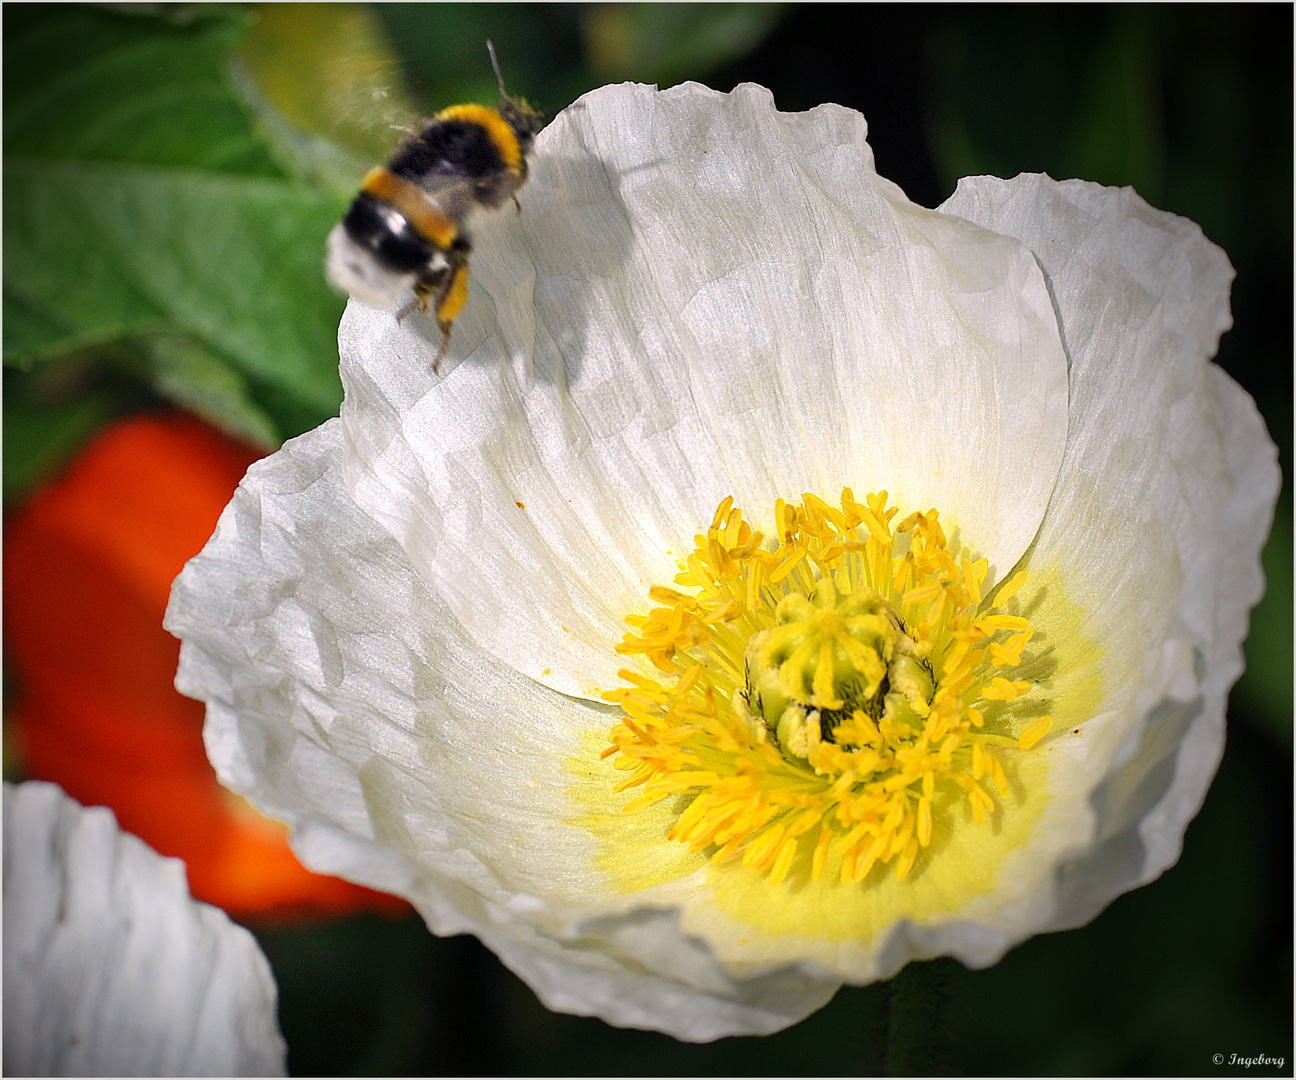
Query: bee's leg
<point x="451" y="297"/>
<point x="443" y="324"/>
<point x="516" y="203"/>
<point x="445" y="344"/>
<point x="422" y="288"/>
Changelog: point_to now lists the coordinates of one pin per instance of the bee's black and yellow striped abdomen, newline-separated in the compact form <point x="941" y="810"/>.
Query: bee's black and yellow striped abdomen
<point x="391" y="239"/>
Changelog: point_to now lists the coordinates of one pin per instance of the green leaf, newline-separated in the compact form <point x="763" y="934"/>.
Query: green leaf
<point x="59" y="271"/>
<point x="90" y="84"/>
<point x="143" y="208"/>
<point x="195" y="378"/>
<point x="40" y="434"/>
<point x="28" y="336"/>
<point x="122" y="250"/>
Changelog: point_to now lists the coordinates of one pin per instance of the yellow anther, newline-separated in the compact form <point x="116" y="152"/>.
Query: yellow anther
<point x="1004" y="622"/>
<point x="817" y="682"/>
<point x="865" y="864"/>
<point x="997" y="774"/>
<point x="907" y="857"/>
<point x="783" y="860"/>
<point x="761" y="851"/>
<point x="1035" y="732"/>
<point x="973" y="574"/>
<point x="924" y="827"/>
<point x="661" y="594"/>
<point x="821" y="853"/>
<point x="1009" y="653"/>
<point x="1010" y="589"/>
<point x="787" y="565"/>
<point x="879" y="531"/>
<point x="928" y="591"/>
<point x="1001" y="689"/>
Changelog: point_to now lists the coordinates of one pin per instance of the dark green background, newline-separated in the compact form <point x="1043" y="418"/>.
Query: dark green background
<point x="162" y="243"/>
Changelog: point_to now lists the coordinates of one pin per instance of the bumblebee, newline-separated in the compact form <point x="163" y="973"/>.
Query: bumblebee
<point x="406" y="229"/>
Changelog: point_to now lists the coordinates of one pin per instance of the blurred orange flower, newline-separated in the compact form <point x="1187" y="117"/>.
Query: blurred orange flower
<point x="88" y="565"/>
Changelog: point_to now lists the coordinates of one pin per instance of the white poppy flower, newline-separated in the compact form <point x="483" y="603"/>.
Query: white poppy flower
<point x="110" y="969"/>
<point x="847" y="743"/>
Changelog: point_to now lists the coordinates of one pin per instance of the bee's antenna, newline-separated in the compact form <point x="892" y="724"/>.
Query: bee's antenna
<point x="499" y="79"/>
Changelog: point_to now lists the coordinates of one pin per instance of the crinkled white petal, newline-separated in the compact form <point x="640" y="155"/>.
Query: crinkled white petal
<point x="344" y="698"/>
<point x="110" y="969"/>
<point x="1163" y="504"/>
<point x="1144" y="572"/>
<point x="366" y="625"/>
<point x="702" y="297"/>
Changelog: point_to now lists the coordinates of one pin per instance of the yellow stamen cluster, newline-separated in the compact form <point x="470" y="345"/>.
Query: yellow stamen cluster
<point x="821" y="692"/>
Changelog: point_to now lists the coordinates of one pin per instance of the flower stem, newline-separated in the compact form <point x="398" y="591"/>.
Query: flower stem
<point x="915" y="1025"/>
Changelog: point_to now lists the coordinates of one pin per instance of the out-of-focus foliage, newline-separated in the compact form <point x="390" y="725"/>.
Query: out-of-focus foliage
<point x="442" y="48"/>
<point x="49" y="414"/>
<point x="1097" y="106"/>
<point x="327" y="89"/>
<point x="553" y="53"/>
<point x="151" y="238"/>
<point x="668" y="43"/>
<point x="1265" y="690"/>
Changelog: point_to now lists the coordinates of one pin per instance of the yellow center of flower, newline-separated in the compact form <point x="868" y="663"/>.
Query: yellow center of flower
<point x="824" y="696"/>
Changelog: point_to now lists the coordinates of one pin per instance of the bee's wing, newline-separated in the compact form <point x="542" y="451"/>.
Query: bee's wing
<point x="452" y="194"/>
<point x="327" y="88"/>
